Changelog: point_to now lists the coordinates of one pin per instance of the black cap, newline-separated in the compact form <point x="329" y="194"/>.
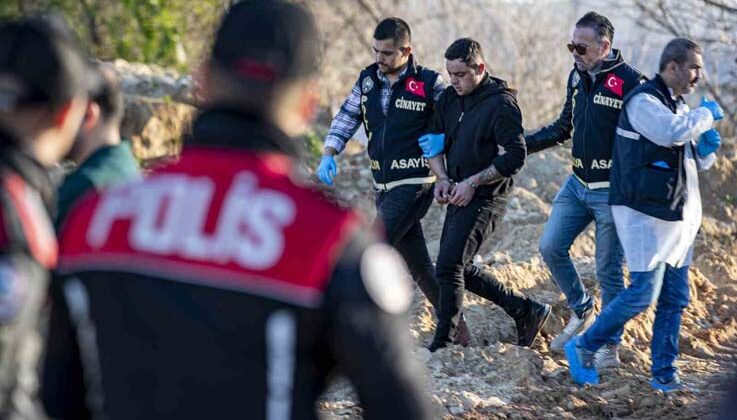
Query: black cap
<point x="267" y="41"/>
<point x="40" y="63"/>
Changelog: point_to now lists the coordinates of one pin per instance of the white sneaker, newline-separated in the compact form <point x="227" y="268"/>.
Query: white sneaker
<point x="607" y="356"/>
<point x="575" y="327"/>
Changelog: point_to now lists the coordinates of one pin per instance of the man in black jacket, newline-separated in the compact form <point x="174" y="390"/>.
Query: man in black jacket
<point x="43" y="95"/>
<point x="479" y="118"/>
<point x="595" y="92"/>
<point x="218" y="287"/>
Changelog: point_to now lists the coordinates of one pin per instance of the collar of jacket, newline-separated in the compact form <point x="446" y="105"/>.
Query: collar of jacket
<point x="608" y="64"/>
<point x="230" y="128"/>
<point x="489" y="86"/>
<point x="32" y="172"/>
<point x="666" y="92"/>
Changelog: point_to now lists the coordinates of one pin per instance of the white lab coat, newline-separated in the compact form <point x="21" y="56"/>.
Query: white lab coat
<point x="647" y="240"/>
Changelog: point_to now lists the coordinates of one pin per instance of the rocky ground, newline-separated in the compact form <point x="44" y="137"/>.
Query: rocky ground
<point x="496" y="379"/>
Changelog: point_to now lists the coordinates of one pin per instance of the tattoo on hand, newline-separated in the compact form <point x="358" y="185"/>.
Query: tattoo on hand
<point x="489" y="175"/>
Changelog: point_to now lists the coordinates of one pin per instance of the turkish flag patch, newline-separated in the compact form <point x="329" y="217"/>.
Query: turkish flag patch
<point x="415" y="87"/>
<point x="614" y="83"/>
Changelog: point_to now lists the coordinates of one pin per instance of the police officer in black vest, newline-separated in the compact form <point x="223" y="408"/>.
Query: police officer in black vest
<point x="595" y="91"/>
<point x="394" y="99"/>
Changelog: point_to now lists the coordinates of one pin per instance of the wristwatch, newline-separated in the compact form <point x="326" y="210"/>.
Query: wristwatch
<point x="469" y="182"/>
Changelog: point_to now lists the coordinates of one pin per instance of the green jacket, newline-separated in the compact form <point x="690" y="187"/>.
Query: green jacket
<point x="106" y="167"/>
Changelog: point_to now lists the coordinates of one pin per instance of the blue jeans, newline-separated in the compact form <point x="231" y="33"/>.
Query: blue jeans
<point x="674" y="298"/>
<point x="666" y="285"/>
<point x="574" y="208"/>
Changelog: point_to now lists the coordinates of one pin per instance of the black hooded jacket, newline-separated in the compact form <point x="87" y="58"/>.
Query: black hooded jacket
<point x="481" y="128"/>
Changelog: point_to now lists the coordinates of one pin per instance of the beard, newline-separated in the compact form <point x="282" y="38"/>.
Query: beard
<point x="390" y="70"/>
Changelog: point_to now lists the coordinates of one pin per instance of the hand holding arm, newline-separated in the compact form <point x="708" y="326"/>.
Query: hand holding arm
<point x="432" y="144"/>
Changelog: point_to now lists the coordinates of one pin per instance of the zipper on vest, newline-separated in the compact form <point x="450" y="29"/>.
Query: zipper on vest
<point x="461" y="117"/>
<point x="585" y="129"/>
<point x="383" y="151"/>
<point x="383" y="132"/>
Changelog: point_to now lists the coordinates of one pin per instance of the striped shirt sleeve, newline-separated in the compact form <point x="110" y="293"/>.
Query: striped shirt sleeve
<point x="346" y="122"/>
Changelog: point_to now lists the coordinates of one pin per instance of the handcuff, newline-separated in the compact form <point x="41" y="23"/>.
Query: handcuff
<point x="469" y="182"/>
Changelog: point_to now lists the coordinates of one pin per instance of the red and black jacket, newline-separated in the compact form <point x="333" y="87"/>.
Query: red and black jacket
<point x="28" y="250"/>
<point x="218" y="287"/>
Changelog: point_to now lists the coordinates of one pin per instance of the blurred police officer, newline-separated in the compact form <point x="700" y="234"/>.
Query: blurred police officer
<point x="42" y="101"/>
<point x="218" y="287"/>
<point x="102" y="159"/>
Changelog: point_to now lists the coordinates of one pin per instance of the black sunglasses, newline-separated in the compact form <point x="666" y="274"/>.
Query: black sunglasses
<point x="579" y="48"/>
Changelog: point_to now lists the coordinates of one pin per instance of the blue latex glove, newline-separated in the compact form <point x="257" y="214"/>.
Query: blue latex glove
<point x="432" y="144"/>
<point x="709" y="142"/>
<point x="716" y="111"/>
<point x="327" y="169"/>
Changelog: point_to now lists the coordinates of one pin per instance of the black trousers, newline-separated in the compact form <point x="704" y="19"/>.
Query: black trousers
<point x="400" y="211"/>
<point x="464" y="231"/>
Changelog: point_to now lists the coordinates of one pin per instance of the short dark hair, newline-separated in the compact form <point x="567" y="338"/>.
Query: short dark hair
<point x="260" y="47"/>
<point x="266" y="42"/>
<point x="599" y="23"/>
<point x="467" y="50"/>
<point x="107" y="94"/>
<point x="677" y="50"/>
<point x="394" y="28"/>
<point x="40" y="63"/>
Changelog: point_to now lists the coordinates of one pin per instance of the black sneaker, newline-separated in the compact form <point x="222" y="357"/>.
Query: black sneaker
<point x="530" y="324"/>
<point x="435" y="345"/>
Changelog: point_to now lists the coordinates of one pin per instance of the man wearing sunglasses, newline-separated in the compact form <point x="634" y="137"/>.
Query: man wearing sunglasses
<point x="394" y="99"/>
<point x="595" y="92"/>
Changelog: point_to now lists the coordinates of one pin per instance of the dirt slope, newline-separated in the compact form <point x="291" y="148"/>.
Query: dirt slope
<point x="496" y="379"/>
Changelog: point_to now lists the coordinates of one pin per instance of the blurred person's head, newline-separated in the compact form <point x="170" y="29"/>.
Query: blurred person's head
<point x="592" y="41"/>
<point x="464" y="61"/>
<point x="103" y="115"/>
<point x="43" y="86"/>
<point x="681" y="65"/>
<point x="264" y="62"/>
<point x="392" y="45"/>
